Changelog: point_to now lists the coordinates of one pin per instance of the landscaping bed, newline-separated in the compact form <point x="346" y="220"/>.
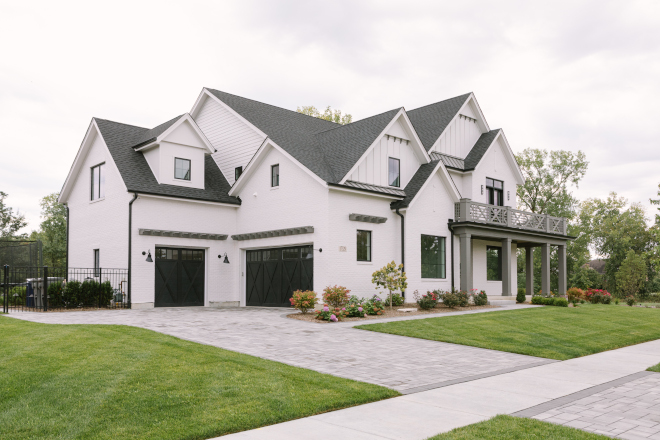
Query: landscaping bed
<point x="311" y="317"/>
<point x="516" y="428"/>
<point x="551" y="332"/>
<point x="121" y="382"/>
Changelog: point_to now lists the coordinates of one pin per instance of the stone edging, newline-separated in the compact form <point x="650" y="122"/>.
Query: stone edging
<point x="561" y="401"/>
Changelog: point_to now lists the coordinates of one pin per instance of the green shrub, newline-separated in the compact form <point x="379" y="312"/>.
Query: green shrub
<point x="520" y="297"/>
<point x="630" y="300"/>
<point x="355" y="310"/>
<point x="72" y="294"/>
<point x="397" y="300"/>
<point x="304" y="301"/>
<point x="332" y="314"/>
<point x="373" y="306"/>
<point x="537" y="299"/>
<point x="56" y="294"/>
<point x="574" y="294"/>
<point x="429" y="300"/>
<point x="480" y="299"/>
<point x="560" y="302"/>
<point x="336" y="296"/>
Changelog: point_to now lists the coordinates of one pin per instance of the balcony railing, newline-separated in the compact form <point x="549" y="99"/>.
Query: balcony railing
<point x="469" y="211"/>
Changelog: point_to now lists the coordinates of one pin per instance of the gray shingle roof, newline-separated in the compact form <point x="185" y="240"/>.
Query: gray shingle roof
<point x="137" y="174"/>
<point x="479" y="149"/>
<point x="449" y="161"/>
<point x="421" y="176"/>
<point x="151" y="135"/>
<point x="431" y="120"/>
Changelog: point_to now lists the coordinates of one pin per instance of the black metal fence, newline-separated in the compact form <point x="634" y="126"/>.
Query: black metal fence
<point x="42" y="289"/>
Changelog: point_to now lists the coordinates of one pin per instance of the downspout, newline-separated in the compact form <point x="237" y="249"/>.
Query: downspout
<point x="66" y="273"/>
<point x="130" y="243"/>
<point x="451" y="230"/>
<point x="403" y="246"/>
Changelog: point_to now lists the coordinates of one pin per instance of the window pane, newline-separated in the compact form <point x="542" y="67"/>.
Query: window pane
<point x="433" y="256"/>
<point x="394" y="173"/>
<point x="254" y="256"/>
<point x="291" y="254"/>
<point x="489" y="182"/>
<point x="101" y="169"/>
<point x="494" y="263"/>
<point x="94" y="188"/>
<point x="269" y="255"/>
<point x="275" y="176"/>
<point x="182" y="169"/>
<point x="237" y="172"/>
<point x="307" y="253"/>
<point x="364" y="245"/>
<point x="498" y="184"/>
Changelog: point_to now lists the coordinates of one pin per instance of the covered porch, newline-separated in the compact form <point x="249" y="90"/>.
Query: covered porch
<point x="510" y="227"/>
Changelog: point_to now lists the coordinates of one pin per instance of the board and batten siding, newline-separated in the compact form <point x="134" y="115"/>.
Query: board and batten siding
<point x="459" y="137"/>
<point x="234" y="140"/>
<point x="374" y="167"/>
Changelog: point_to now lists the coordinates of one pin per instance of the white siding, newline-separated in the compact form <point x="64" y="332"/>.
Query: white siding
<point x="495" y="165"/>
<point x="235" y="141"/>
<point x="374" y="167"/>
<point x="459" y="137"/>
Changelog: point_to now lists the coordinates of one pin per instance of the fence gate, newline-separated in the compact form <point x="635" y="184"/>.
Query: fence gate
<point x="42" y="288"/>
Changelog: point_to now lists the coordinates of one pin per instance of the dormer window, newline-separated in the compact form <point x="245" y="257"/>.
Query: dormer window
<point x="495" y="189"/>
<point x="394" y="172"/>
<point x="181" y="169"/>
<point x="237" y="172"/>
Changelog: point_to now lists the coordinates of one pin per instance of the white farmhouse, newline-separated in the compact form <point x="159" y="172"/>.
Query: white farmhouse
<point x="239" y="203"/>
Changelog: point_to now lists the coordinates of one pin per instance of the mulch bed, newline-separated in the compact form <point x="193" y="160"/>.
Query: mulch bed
<point x="311" y="316"/>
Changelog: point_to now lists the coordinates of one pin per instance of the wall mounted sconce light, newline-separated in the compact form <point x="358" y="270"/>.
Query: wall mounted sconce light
<point x="482" y="190"/>
<point x="226" y="259"/>
<point x="148" y="260"/>
<point x="508" y="195"/>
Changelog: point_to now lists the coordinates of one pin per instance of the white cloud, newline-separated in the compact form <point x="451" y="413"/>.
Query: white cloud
<point x="559" y="75"/>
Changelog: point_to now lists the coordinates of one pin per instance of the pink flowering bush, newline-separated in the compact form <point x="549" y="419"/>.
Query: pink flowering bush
<point x="332" y="314"/>
<point x="303" y="300"/>
<point x="427" y="301"/>
<point x="336" y="296"/>
<point x="355" y="310"/>
<point x="598" y="296"/>
<point x="478" y="298"/>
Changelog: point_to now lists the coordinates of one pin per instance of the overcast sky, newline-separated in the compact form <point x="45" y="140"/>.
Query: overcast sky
<point x="575" y="75"/>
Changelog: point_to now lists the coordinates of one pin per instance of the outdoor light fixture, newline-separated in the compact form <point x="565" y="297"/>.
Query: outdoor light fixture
<point x="226" y="259"/>
<point x="149" y="260"/>
<point x="482" y="190"/>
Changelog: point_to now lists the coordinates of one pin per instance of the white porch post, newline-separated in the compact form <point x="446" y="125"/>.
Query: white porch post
<point x="529" y="271"/>
<point x="561" y="254"/>
<point x="545" y="268"/>
<point x="466" y="261"/>
<point x="506" y="267"/>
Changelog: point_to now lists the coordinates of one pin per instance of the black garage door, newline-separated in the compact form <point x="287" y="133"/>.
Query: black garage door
<point x="274" y="274"/>
<point x="179" y="277"/>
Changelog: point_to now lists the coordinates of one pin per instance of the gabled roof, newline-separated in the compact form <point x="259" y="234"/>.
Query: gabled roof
<point x="416" y="183"/>
<point x="152" y="134"/>
<point x="431" y="120"/>
<point x="137" y="175"/>
<point x="449" y="161"/>
<point x="480" y="148"/>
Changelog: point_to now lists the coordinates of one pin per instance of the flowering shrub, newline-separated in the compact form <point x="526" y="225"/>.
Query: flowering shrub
<point x="455" y="298"/>
<point x="480" y="298"/>
<point x="355" y="310"/>
<point x="428" y="301"/>
<point x="332" y="314"/>
<point x="373" y="306"/>
<point x="574" y="295"/>
<point x="630" y="300"/>
<point x="397" y="300"/>
<point x="336" y="296"/>
<point x="304" y="301"/>
<point x="598" y="296"/>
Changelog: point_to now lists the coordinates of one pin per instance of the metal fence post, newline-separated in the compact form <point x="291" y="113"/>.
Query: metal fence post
<point x="5" y="302"/>
<point x="100" y="288"/>
<point x="45" y="287"/>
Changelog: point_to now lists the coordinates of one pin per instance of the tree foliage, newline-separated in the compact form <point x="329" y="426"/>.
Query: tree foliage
<point x="391" y="277"/>
<point x="632" y="275"/>
<point x="329" y="114"/>
<point x="656" y="202"/>
<point x="10" y="222"/>
<point x="52" y="230"/>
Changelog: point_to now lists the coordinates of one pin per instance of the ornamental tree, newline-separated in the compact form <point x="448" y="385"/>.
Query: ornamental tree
<point x="391" y="277"/>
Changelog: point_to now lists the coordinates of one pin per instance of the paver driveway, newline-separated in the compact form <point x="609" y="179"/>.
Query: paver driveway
<point x="405" y="364"/>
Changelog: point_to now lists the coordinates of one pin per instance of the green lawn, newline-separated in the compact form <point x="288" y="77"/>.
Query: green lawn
<point x="549" y="332"/>
<point x="118" y="382"/>
<point x="515" y="428"/>
<point x="655" y="368"/>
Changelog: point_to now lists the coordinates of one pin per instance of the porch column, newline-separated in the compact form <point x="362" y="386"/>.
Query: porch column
<point x="561" y="254"/>
<point x="466" y="261"/>
<point x="545" y="269"/>
<point x="506" y="267"/>
<point x="529" y="271"/>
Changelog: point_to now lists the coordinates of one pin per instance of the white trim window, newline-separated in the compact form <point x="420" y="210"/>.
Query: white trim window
<point x="394" y="172"/>
<point x="363" y="245"/>
<point x="97" y="262"/>
<point x="434" y="264"/>
<point x="97" y="187"/>
<point x="181" y="168"/>
<point x="275" y="176"/>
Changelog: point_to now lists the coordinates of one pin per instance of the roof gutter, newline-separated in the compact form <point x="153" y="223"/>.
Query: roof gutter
<point x="403" y="246"/>
<point x="130" y="242"/>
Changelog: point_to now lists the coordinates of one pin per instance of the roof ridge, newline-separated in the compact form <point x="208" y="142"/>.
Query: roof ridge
<point x="120" y="123"/>
<point x="438" y="102"/>
<point x="364" y="119"/>
<point x="272" y="105"/>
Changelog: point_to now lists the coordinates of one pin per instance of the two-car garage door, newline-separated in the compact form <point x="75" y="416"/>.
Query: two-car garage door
<point x="274" y="274"/>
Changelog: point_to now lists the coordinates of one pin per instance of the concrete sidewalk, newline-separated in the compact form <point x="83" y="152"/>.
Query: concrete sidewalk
<point x="421" y="415"/>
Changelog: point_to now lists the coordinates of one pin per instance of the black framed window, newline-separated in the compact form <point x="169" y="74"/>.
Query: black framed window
<point x="97" y="262"/>
<point x="181" y="168"/>
<point x="433" y="257"/>
<point x="495" y="190"/>
<point x="394" y="172"/>
<point x="275" y="176"/>
<point x="493" y="263"/>
<point x="363" y="245"/>
<point x="237" y="172"/>
<point x="98" y="182"/>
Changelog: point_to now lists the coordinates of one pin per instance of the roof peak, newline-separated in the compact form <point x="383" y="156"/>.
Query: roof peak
<point x="358" y="121"/>
<point x="444" y="100"/>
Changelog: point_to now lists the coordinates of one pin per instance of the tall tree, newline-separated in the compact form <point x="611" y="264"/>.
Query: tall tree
<point x="656" y="202"/>
<point x="52" y="230"/>
<point x="328" y="114"/>
<point x="549" y="176"/>
<point x="10" y="222"/>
